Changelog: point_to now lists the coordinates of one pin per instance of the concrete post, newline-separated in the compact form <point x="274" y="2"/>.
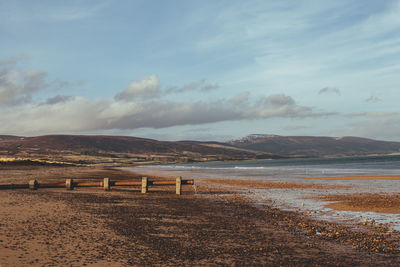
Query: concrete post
<point x="69" y="184"/>
<point x="144" y="185"/>
<point x="106" y="184"/>
<point x="33" y="184"/>
<point x="179" y="185"/>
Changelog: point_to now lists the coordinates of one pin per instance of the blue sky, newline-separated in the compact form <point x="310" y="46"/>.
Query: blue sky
<point x="203" y="70"/>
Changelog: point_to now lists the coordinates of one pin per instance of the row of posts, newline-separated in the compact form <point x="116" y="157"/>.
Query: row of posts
<point x="69" y="184"/>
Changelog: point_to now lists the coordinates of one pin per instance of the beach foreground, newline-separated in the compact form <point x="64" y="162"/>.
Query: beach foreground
<point x="212" y="223"/>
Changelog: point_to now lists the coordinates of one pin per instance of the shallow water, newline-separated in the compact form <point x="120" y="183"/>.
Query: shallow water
<point x="294" y="170"/>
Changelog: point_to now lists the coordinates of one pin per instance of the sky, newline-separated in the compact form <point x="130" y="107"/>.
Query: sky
<point x="200" y="70"/>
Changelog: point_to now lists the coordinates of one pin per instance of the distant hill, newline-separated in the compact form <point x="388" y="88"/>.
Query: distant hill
<point x="315" y="146"/>
<point x="85" y="148"/>
<point x="8" y="137"/>
<point x="116" y="150"/>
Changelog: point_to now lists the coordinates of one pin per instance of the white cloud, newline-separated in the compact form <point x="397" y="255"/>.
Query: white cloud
<point x="75" y="115"/>
<point x="373" y="99"/>
<point x="57" y="99"/>
<point x="17" y="87"/>
<point x="148" y="86"/>
<point x="279" y="100"/>
<point x="372" y="114"/>
<point x="329" y="90"/>
<point x="240" y="99"/>
<point x="201" y="86"/>
<point x="12" y="61"/>
<point x="281" y="105"/>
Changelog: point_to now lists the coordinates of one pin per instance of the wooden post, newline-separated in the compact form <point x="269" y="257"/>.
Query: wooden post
<point x="179" y="185"/>
<point x="33" y="184"/>
<point x="106" y="184"/>
<point x="144" y="185"/>
<point x="69" y="184"/>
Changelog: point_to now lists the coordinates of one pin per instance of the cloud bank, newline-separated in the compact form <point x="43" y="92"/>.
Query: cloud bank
<point x="140" y="105"/>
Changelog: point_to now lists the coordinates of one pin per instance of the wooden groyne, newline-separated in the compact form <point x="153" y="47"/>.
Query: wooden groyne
<point x="106" y="184"/>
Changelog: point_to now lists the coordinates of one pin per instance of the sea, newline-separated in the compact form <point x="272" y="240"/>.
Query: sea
<point x="295" y="170"/>
<point x="290" y="169"/>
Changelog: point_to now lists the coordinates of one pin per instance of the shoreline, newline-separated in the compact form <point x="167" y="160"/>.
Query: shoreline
<point x="207" y="225"/>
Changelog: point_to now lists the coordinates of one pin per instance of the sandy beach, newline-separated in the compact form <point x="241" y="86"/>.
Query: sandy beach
<point x="216" y="222"/>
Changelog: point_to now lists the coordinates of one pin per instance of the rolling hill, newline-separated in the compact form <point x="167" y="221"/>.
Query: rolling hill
<point x="120" y="149"/>
<point x="315" y="146"/>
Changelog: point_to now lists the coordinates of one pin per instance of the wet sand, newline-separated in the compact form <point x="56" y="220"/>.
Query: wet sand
<point x="257" y="184"/>
<point x="385" y="177"/>
<point x="383" y="203"/>
<point x="210" y="224"/>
